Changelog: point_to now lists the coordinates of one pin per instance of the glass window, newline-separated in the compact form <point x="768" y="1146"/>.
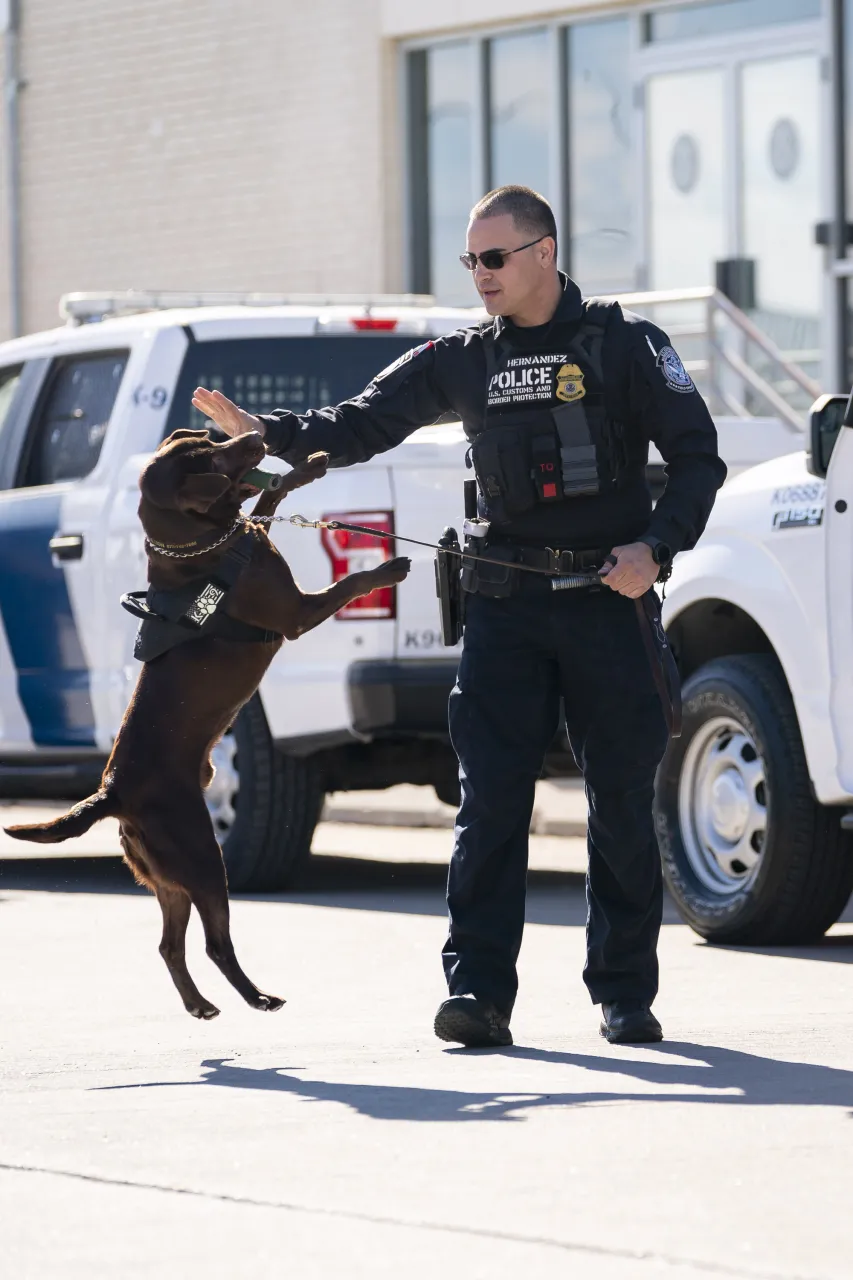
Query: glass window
<point x="71" y="423"/>
<point x="520" y="111"/>
<point x="262" y="374"/>
<point x="602" y="198"/>
<point x="450" y="85"/>
<point x="714" y="19"/>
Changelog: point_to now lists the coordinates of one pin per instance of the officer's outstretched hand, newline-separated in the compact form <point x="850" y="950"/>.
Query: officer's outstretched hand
<point x="228" y="416"/>
<point x="634" y="571"/>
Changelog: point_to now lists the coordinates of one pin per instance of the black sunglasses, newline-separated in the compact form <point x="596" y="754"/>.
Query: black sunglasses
<point x="493" y="259"/>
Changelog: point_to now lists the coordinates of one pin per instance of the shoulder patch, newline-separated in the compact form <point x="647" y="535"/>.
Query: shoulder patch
<point x="401" y="360"/>
<point x="674" y="373"/>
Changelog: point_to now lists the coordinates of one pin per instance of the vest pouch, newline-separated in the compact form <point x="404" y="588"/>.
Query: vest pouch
<point x="501" y="458"/>
<point x="579" y="469"/>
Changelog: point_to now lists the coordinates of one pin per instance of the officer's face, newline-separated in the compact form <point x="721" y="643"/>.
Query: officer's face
<point x="505" y="290"/>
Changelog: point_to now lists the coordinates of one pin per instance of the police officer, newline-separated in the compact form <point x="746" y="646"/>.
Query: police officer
<point x="559" y="398"/>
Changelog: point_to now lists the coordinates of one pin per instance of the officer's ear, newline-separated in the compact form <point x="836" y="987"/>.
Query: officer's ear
<point x="548" y="250"/>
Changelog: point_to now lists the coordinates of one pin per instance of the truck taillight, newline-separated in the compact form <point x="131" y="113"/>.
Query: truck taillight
<point x="373" y="324"/>
<point x="354" y="552"/>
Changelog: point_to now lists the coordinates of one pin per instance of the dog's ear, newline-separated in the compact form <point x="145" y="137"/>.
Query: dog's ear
<point x="199" y="492"/>
<point x="184" y="434"/>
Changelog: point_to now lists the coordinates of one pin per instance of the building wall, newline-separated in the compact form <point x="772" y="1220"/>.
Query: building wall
<point x="209" y="144"/>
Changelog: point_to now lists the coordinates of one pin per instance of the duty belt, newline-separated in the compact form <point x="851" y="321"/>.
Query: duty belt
<point x="556" y="560"/>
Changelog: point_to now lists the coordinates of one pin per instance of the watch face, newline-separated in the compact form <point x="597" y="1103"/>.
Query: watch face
<point x="662" y="553"/>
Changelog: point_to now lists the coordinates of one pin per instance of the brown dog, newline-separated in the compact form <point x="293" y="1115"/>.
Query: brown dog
<point x="185" y="699"/>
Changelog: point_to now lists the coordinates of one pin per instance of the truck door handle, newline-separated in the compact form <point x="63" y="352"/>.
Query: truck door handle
<point x="67" y="546"/>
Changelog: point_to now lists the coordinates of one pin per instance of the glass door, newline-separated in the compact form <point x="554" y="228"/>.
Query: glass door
<point x="686" y="176"/>
<point x="780" y="192"/>
<point x="734" y="169"/>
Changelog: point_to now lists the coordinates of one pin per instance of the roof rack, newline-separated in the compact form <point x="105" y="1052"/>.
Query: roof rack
<point x="84" y="308"/>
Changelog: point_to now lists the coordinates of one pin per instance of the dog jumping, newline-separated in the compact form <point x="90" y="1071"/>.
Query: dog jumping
<point x="221" y="602"/>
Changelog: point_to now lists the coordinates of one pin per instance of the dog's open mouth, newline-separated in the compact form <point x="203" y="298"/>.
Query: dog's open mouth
<point x="247" y="490"/>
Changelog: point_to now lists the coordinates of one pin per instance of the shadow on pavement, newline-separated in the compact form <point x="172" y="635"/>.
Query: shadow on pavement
<point x="360" y="884"/>
<point x="713" y="1075"/>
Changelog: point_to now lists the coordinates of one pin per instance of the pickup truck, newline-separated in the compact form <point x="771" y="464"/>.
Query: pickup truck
<point x="754" y="799"/>
<point x="360" y="703"/>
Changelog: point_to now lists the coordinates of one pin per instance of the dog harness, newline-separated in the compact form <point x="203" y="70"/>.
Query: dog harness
<point x="195" y="610"/>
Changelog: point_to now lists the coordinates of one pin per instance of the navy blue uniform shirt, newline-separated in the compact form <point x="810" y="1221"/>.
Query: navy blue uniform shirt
<point x="649" y="393"/>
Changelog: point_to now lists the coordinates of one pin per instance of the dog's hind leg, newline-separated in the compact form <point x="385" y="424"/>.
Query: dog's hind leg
<point x="182" y="851"/>
<point x="211" y="902"/>
<point x="175" y="905"/>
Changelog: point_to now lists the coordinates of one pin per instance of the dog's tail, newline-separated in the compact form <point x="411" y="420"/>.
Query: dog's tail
<point x="76" y="822"/>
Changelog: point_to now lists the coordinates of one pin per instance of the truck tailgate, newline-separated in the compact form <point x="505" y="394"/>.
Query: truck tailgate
<point x="427" y="477"/>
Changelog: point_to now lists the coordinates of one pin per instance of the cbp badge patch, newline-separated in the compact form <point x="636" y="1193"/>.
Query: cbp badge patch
<point x="675" y="375"/>
<point x="570" y="383"/>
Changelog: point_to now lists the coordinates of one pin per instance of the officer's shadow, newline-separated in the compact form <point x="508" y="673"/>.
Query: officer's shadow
<point x="712" y="1075"/>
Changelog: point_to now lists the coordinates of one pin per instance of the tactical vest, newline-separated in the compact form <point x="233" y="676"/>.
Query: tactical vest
<point x="546" y="436"/>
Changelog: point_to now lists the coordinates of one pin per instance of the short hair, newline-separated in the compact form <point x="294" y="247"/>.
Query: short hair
<point x="530" y="212"/>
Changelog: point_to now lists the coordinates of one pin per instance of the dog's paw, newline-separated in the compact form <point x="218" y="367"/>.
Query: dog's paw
<point x="313" y="468"/>
<point x="204" y="1011"/>
<point x="391" y="572"/>
<point x="269" y="1004"/>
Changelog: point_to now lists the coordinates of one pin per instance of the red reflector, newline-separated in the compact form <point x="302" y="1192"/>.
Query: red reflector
<point x="363" y="323"/>
<point x="549" y="491"/>
<point x="353" y="552"/>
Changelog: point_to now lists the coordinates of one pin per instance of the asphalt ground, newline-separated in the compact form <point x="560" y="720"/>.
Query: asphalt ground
<point x="338" y="1138"/>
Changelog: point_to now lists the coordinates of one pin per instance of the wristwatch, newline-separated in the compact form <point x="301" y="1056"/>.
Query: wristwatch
<point x="661" y="551"/>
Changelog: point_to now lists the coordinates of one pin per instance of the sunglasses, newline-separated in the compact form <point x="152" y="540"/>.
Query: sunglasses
<point x="493" y="259"/>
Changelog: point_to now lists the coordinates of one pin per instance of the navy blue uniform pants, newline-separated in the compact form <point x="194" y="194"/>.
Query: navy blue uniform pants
<point x="521" y="655"/>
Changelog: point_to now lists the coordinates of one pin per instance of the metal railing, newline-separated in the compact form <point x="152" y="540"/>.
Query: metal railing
<point x="731" y="380"/>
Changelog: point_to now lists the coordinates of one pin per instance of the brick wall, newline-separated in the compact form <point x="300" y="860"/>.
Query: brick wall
<point x="205" y="144"/>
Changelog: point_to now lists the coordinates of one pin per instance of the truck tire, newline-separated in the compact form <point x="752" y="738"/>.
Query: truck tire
<point x="748" y="855"/>
<point x="264" y="806"/>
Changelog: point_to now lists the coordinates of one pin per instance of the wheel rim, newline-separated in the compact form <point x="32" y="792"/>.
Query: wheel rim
<point x="221" y="795"/>
<point x="722" y="806"/>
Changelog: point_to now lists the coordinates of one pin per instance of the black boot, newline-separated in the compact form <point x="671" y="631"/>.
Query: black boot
<point x="472" y="1022"/>
<point x="629" y="1022"/>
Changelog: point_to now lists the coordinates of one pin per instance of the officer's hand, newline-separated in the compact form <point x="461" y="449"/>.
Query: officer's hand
<point x="227" y="415"/>
<point x="634" y="571"/>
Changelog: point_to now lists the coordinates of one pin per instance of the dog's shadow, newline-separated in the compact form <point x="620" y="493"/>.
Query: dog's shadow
<point x="712" y="1075"/>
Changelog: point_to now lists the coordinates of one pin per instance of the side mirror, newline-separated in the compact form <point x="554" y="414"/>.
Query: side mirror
<point x="827" y="416"/>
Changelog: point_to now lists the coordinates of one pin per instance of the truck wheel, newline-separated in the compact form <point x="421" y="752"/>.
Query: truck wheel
<point x="264" y="805"/>
<point x="748" y="855"/>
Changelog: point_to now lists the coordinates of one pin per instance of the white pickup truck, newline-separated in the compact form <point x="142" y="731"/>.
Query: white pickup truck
<point x="361" y="703"/>
<point x="753" y="800"/>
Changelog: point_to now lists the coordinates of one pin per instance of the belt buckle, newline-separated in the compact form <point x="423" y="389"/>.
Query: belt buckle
<point x="556" y="560"/>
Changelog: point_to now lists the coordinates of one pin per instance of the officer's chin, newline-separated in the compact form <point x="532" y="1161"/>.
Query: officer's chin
<point x="493" y="303"/>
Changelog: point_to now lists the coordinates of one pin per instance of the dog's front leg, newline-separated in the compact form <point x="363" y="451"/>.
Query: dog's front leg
<point x="313" y="468"/>
<point x="315" y="607"/>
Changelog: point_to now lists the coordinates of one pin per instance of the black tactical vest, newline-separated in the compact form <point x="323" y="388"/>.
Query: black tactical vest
<point x="546" y="437"/>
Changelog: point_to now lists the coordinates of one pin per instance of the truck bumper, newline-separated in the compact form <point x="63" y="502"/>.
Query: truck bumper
<point x="401" y="697"/>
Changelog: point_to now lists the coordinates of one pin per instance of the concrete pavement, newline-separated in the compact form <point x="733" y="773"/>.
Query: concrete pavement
<point x="338" y="1138"/>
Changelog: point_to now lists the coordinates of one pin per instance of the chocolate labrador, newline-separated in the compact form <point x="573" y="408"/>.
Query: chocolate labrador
<point x="220" y="602"/>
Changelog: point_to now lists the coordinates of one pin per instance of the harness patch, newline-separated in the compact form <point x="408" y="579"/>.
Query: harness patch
<point x="570" y="385"/>
<point x="204" y="605"/>
<point x="675" y="375"/>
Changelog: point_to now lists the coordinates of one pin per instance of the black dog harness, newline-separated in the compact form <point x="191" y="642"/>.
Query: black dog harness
<point x="195" y="610"/>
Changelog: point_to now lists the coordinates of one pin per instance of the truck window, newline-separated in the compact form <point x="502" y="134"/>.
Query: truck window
<point x="261" y="374"/>
<point x="71" y="421"/>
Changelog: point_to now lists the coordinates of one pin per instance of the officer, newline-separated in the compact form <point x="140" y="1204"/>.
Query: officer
<point x="559" y="398"/>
